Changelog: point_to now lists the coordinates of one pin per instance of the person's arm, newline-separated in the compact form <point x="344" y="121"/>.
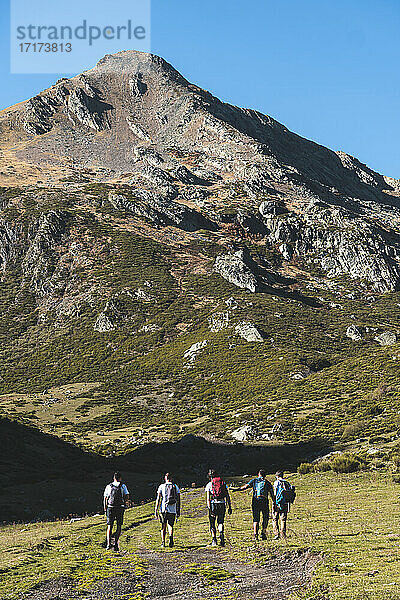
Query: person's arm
<point x="105" y="500"/>
<point x="158" y="501"/>
<point x="272" y="494"/>
<point x="178" y="503"/>
<point x="273" y="498"/>
<point x="208" y="494"/>
<point x="246" y="486"/>
<point x="126" y="496"/>
<point x="228" y="501"/>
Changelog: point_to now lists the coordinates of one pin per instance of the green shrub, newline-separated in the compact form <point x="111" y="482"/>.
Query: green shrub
<point x="304" y="468"/>
<point x="352" y="430"/>
<point x="345" y="464"/>
<point x="396" y="477"/>
<point x="323" y="465"/>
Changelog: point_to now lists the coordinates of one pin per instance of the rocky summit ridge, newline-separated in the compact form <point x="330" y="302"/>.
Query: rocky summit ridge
<point x="137" y="208"/>
<point x="130" y="113"/>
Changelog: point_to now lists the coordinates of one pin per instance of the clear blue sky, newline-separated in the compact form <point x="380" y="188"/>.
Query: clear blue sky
<point x="327" y="69"/>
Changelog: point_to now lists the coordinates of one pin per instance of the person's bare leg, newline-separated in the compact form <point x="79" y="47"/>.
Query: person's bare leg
<point x="275" y="525"/>
<point x="256" y="527"/>
<point x="116" y="537"/>
<point x="283" y="525"/>
<point x="264" y="526"/>
<point x="163" y="533"/>
<point x="171" y="535"/>
<point x="109" y="528"/>
<point x="221" y="534"/>
<point x="213" y="530"/>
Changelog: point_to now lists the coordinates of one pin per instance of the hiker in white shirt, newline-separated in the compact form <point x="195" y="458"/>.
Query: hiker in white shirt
<point x="168" y="508"/>
<point x="116" y="499"/>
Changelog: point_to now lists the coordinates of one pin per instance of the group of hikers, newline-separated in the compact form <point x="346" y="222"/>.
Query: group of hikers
<point x="168" y="506"/>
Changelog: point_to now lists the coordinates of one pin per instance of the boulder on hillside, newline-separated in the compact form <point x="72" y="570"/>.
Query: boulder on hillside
<point x="218" y="321"/>
<point x="354" y="333"/>
<point x="387" y="338"/>
<point x="245" y="433"/>
<point x="192" y="352"/>
<point x="239" y="269"/>
<point x="248" y="332"/>
<point x="109" y="318"/>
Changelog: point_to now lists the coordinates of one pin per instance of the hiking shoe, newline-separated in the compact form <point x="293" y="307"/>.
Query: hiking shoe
<point x="116" y="547"/>
<point x="276" y="537"/>
<point x="222" y="539"/>
<point x="214" y="542"/>
<point x="108" y="547"/>
<point x="263" y="536"/>
<point x="256" y="538"/>
<point x="171" y="542"/>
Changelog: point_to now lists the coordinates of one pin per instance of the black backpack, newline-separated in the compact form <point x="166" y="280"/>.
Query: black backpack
<point x="171" y="495"/>
<point x="116" y="499"/>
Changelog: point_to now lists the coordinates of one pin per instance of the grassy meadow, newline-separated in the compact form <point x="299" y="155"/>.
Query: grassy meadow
<point x="351" y="520"/>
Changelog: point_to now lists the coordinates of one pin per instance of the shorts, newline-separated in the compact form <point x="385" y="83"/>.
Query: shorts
<point x="115" y="514"/>
<point x="217" y="513"/>
<point x="167" y="518"/>
<point x="281" y="512"/>
<point x="259" y="506"/>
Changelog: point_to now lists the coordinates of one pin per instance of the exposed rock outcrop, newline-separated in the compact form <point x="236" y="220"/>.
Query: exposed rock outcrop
<point x="218" y="321"/>
<point x="354" y="333"/>
<point x="387" y="338"/>
<point x="162" y="211"/>
<point x="39" y="263"/>
<point x="194" y="350"/>
<point x="239" y="269"/>
<point x="246" y="433"/>
<point x="249" y="332"/>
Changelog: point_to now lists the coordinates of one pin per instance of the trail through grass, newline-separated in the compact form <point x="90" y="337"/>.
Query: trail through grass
<point x="352" y="521"/>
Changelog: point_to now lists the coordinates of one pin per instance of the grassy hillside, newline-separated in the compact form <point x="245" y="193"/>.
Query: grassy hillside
<point x="114" y="390"/>
<point x="349" y="522"/>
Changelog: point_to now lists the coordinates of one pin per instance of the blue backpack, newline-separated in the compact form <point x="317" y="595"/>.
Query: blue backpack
<point x="259" y="489"/>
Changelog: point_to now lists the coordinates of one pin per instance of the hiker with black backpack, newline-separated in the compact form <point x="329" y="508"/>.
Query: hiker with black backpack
<point x="285" y="495"/>
<point x="217" y="500"/>
<point x="116" y="499"/>
<point x="262" y="488"/>
<point x="168" y="508"/>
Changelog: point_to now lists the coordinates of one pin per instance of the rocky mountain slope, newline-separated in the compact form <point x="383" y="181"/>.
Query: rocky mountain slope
<point x="173" y="264"/>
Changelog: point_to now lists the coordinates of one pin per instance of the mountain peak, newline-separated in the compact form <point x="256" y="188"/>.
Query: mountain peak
<point x="131" y="62"/>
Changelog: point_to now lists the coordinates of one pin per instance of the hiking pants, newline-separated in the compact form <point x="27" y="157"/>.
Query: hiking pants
<point x="260" y="507"/>
<point x="280" y="515"/>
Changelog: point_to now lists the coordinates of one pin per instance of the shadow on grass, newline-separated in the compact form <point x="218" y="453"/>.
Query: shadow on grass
<point x="48" y="478"/>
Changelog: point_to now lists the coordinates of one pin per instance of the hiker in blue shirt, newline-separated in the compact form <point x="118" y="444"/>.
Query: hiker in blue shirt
<point x="262" y="488"/>
<point x="285" y="495"/>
